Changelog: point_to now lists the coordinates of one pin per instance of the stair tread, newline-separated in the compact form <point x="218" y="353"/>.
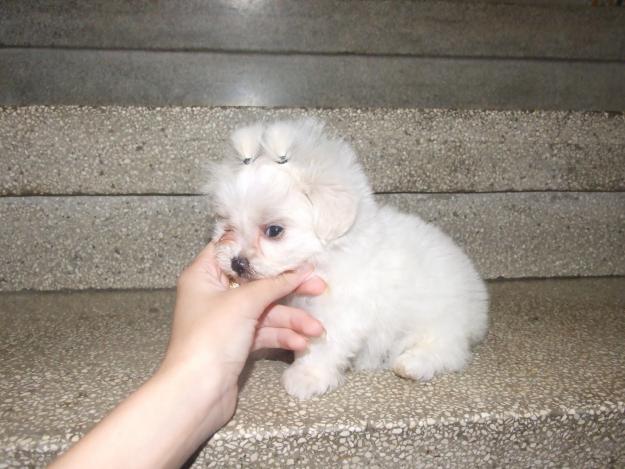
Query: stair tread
<point x="554" y="352"/>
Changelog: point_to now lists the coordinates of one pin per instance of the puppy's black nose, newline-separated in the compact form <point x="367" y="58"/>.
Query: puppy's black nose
<point x="240" y="265"/>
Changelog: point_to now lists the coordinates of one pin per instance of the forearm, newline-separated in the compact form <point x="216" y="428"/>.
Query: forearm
<point x="159" y="425"/>
<point x="194" y="392"/>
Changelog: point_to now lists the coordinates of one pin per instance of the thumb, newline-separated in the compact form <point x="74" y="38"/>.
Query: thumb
<point x="268" y="290"/>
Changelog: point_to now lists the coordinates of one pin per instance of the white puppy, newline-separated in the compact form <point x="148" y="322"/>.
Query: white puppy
<point x="400" y="293"/>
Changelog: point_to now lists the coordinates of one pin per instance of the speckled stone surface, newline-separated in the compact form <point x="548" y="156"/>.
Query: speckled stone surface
<point x="51" y="243"/>
<point x="112" y="150"/>
<point x="546" y="389"/>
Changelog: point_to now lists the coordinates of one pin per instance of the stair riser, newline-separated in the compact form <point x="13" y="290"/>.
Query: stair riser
<point x="112" y="150"/>
<point x="325" y="26"/>
<point x="565" y="441"/>
<point x="105" y="77"/>
<point x="52" y="243"/>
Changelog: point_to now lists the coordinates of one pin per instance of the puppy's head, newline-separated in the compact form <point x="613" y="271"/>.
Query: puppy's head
<point x="289" y="192"/>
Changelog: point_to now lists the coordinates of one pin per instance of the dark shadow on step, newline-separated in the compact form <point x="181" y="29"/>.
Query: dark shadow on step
<point x="189" y="462"/>
<point x="273" y="354"/>
<point x="269" y="354"/>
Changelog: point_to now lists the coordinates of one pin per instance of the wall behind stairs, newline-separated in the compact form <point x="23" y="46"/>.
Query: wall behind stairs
<point x="515" y="161"/>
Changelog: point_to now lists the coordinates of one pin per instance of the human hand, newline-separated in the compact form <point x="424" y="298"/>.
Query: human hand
<point x="194" y="391"/>
<point x="215" y="327"/>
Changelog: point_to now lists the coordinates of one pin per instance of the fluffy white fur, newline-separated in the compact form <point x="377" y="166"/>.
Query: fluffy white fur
<point x="400" y="293"/>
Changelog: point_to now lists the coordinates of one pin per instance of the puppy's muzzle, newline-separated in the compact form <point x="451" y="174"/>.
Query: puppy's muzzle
<point x="240" y="265"/>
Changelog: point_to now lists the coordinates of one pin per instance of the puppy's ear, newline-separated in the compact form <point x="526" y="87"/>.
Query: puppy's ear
<point x="334" y="211"/>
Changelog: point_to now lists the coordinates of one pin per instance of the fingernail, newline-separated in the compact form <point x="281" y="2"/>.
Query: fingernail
<point x="321" y="332"/>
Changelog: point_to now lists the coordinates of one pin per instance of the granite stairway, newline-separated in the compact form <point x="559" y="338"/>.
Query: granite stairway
<point x="501" y="122"/>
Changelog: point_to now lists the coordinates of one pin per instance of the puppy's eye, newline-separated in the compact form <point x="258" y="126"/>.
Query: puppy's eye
<point x="273" y="231"/>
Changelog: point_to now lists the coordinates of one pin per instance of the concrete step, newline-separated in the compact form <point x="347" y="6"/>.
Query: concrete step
<point x="425" y="28"/>
<point x="113" y="150"/>
<point x="51" y="243"/>
<point x="328" y="53"/>
<point x="568" y="3"/>
<point x="116" y="189"/>
<point x="546" y="389"/>
<point x="146" y="78"/>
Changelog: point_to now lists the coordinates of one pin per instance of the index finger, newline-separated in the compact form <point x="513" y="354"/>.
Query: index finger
<point x="206" y="263"/>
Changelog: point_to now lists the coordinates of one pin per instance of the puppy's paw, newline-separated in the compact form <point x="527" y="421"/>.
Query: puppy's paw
<point x="422" y="363"/>
<point x="305" y="381"/>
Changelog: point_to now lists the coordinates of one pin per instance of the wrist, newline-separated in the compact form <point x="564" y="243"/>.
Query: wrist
<point x="203" y="388"/>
